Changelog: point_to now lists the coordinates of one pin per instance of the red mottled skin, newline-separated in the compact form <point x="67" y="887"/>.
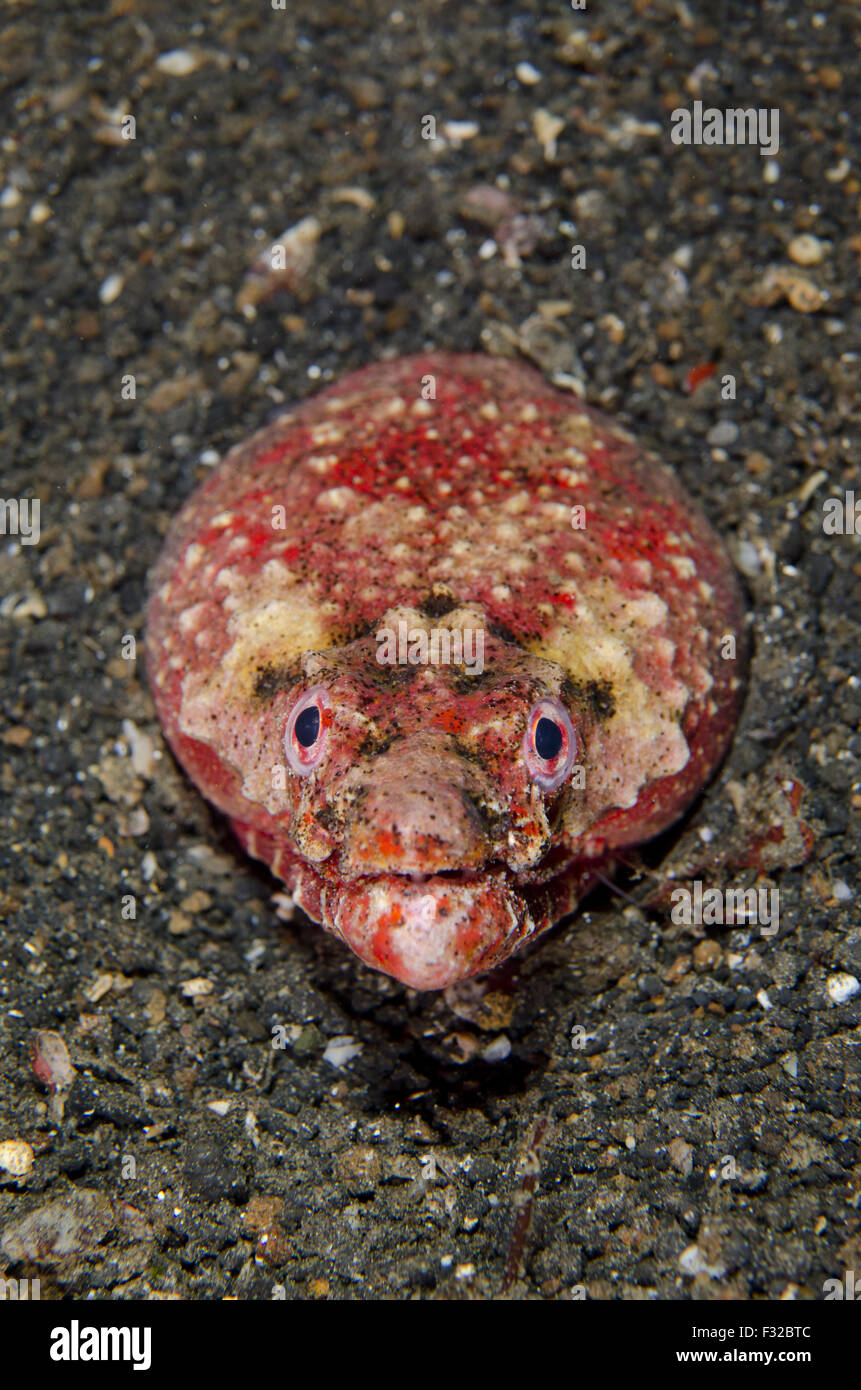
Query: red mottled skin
<point x="421" y="837"/>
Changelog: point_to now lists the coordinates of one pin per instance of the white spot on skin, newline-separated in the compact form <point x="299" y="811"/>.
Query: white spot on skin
<point x="648" y="611"/>
<point x="336" y="499"/>
<point x="506" y="533"/>
<point x="518" y="503"/>
<point x="683" y="565"/>
<point x="193" y="556"/>
<point x="190" y="617"/>
<point x="555" y="512"/>
<point x="329" y="432"/>
<point x="642" y="570"/>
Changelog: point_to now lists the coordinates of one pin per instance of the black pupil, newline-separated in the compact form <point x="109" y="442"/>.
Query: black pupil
<point x="548" y="739"/>
<point x="307" y="726"/>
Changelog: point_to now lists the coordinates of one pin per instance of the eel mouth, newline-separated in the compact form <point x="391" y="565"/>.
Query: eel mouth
<point x="430" y="930"/>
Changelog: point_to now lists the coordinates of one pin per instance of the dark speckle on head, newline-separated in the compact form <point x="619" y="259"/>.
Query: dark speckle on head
<point x="595" y="696"/>
<point x="461" y="682"/>
<point x="382" y="676"/>
<point x="438" y="603"/>
<point x="374" y="745"/>
<point x="269" y="680"/>
<point x="504" y="633"/>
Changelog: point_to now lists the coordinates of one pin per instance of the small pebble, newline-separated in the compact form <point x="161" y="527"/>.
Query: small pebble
<point x="498" y="1050"/>
<point x="457" y="131"/>
<point x="284" y="265"/>
<point x="52" y="1064"/>
<point x="547" y="127"/>
<point x="16" y="1157"/>
<point x="707" y="954"/>
<point x="842" y="987"/>
<point x="178" y="62"/>
<point x="748" y="560"/>
<point x="527" y="74"/>
<point x="340" y="1051"/>
<point x="692" y="1261"/>
<point x="111" y="288"/>
<point x="807" y="250"/>
<point x="142" y="749"/>
<point x="723" y="433"/>
<point x="681" y="1156"/>
<point x="196" y="988"/>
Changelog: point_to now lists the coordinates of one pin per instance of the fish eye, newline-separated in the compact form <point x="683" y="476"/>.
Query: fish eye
<point x="549" y="737"/>
<point x="550" y="744"/>
<point x="307" y="726"/>
<point x="305" y="736"/>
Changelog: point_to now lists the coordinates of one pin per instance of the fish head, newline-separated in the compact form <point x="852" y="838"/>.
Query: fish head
<point x="427" y="765"/>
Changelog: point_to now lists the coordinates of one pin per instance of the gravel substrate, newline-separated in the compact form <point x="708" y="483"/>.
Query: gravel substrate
<point x="689" y="1095"/>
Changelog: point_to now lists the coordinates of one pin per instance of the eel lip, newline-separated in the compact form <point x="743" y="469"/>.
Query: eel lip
<point x="431" y="933"/>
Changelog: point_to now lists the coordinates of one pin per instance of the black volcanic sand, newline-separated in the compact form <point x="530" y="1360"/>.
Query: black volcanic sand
<point x="698" y="1136"/>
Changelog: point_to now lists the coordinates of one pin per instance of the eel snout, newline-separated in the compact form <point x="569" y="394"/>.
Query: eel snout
<point x="429" y="933"/>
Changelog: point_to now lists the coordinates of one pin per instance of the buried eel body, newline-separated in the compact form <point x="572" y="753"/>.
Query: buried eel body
<point x="438" y="816"/>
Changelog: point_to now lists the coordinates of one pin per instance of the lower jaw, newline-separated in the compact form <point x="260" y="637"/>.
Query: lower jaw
<point x="426" y="930"/>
